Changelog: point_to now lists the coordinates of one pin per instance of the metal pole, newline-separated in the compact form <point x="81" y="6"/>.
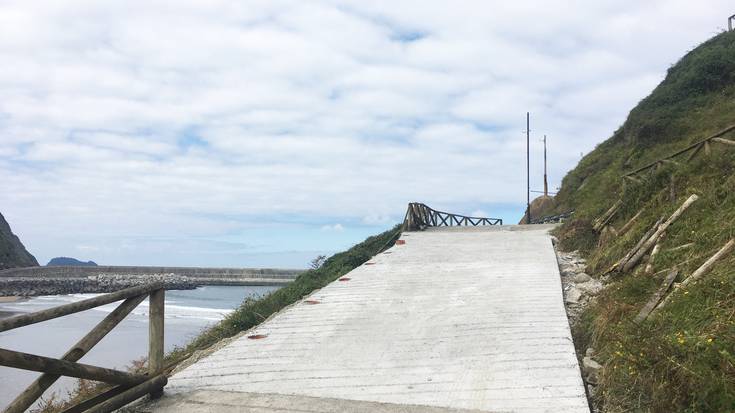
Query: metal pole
<point x="528" y="168"/>
<point x="546" y="182"/>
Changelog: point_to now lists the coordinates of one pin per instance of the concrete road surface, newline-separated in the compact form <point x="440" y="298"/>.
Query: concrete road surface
<point x="453" y="320"/>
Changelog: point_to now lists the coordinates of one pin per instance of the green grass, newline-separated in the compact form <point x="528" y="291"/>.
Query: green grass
<point x="683" y="357"/>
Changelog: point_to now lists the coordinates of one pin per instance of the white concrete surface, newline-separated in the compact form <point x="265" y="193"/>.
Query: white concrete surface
<point x="459" y="319"/>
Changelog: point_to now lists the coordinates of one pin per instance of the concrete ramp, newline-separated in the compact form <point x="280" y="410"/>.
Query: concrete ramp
<point x="453" y="319"/>
<point x="213" y="401"/>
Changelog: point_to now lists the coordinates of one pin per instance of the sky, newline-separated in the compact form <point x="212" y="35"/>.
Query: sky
<point x="263" y="133"/>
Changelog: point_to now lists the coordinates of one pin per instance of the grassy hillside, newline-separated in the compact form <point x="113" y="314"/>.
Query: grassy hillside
<point x="683" y="357"/>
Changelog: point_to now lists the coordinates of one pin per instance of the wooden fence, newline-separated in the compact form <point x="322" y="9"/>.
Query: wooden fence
<point x="693" y="150"/>
<point x="127" y="386"/>
<point x="420" y="216"/>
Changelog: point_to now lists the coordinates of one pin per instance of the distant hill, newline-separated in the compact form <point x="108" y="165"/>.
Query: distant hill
<point x="12" y="252"/>
<point x="68" y="261"/>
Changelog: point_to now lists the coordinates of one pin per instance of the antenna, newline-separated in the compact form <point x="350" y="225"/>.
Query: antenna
<point x="528" y="167"/>
<point x="546" y="182"/>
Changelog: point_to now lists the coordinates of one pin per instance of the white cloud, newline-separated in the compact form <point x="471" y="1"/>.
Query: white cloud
<point x="333" y="228"/>
<point x="151" y="118"/>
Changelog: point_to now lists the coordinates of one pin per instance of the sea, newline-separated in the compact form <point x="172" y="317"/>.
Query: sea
<point x="187" y="313"/>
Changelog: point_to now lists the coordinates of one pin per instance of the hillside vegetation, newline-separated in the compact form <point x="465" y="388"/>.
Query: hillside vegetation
<point x="682" y="358"/>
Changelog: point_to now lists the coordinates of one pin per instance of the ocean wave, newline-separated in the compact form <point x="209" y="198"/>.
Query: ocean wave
<point x="175" y="308"/>
<point x="177" y="311"/>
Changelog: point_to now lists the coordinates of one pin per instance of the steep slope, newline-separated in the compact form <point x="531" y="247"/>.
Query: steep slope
<point x="12" y="252"/>
<point x="682" y="358"/>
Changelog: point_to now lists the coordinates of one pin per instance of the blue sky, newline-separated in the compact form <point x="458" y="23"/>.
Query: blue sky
<point x="263" y="133"/>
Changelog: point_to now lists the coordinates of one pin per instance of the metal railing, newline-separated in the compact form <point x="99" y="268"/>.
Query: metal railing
<point x="127" y="386"/>
<point x="419" y="217"/>
<point x="553" y="219"/>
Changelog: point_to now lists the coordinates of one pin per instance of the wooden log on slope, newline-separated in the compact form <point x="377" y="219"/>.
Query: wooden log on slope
<point x="656" y="297"/>
<point x="629" y="224"/>
<point x="619" y="265"/>
<point x="600" y="222"/>
<point x="652" y="257"/>
<point x="725" y="141"/>
<point x="701" y="271"/>
<point x="695" y="151"/>
<point x="654" y="238"/>
<point x="681" y="247"/>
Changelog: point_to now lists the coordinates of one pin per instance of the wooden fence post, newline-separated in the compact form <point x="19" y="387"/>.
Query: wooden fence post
<point x="155" y="337"/>
<point x="36" y="389"/>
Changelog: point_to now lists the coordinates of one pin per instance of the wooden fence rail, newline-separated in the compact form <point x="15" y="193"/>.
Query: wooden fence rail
<point x="128" y="386"/>
<point x="694" y="148"/>
<point x="419" y="217"/>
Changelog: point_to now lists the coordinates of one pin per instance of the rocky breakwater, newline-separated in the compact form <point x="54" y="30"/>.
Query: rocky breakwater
<point x="100" y="283"/>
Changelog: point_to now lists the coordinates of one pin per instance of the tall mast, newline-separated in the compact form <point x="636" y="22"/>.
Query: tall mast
<point x="528" y="167"/>
<point x="546" y="182"/>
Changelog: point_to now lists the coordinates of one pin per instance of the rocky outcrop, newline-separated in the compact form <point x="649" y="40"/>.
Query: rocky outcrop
<point x="540" y="207"/>
<point x="12" y="252"/>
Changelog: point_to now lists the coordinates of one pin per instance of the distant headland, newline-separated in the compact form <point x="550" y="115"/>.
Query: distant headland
<point x="68" y="261"/>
